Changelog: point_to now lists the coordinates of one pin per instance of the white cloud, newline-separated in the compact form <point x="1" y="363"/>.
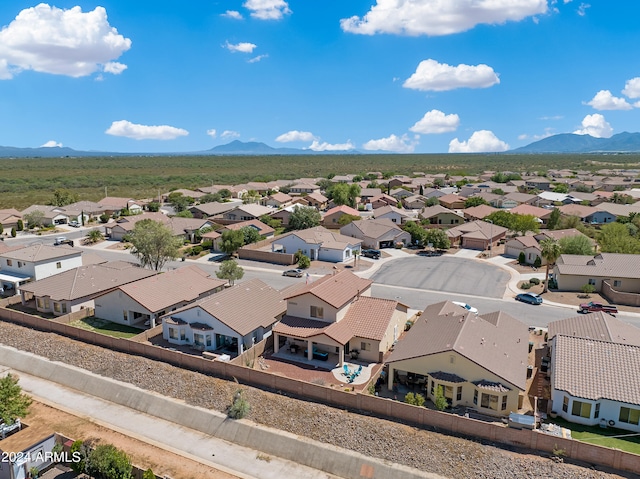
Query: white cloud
<point x="582" y="9"/>
<point x="435" y="121"/>
<point x="439" y="17"/>
<point x="433" y="76"/>
<point x="51" y="144"/>
<point x="547" y="133"/>
<point x="604" y="100"/>
<point x="144" y="132"/>
<point x="596" y="126"/>
<point x="212" y="132"/>
<point x="295" y="135"/>
<point x="392" y="143"/>
<point x="324" y="146"/>
<point x="243" y="47"/>
<point x="632" y="88"/>
<point x="228" y="134"/>
<point x="63" y="42"/>
<point x="480" y="142"/>
<point x="257" y="59"/>
<point x="554" y="117"/>
<point x="267" y="9"/>
<point x="232" y="14"/>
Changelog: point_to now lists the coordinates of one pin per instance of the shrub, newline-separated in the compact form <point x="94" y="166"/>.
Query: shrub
<point x="196" y="250"/>
<point x="588" y="289"/>
<point x="521" y="258"/>
<point x="304" y="262"/>
<point x="20" y="225"/>
<point x="13" y="232"/>
<point x="525" y="285"/>
<point x="538" y="262"/>
<point x="535" y="281"/>
<point x="104" y="217"/>
<point x="240" y="407"/>
<point x="148" y="474"/>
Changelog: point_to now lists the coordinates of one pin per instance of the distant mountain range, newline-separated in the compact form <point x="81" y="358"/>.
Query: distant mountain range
<point x="563" y="143"/>
<point x="570" y="143"/>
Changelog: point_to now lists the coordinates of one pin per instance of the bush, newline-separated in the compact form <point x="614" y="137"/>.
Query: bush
<point x="240" y="407"/>
<point x="304" y="262"/>
<point x="526" y="285"/>
<point x="535" y="281"/>
<point x="538" y="262"/>
<point x="104" y="217"/>
<point x="20" y="225"/>
<point x="588" y="289"/>
<point x="13" y="232"/>
<point x="196" y="250"/>
<point x="522" y="258"/>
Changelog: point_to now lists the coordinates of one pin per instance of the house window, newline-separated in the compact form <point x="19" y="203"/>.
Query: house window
<point x="565" y="404"/>
<point x="582" y="409"/>
<point x="452" y="359"/>
<point x="365" y="346"/>
<point x="504" y="403"/>
<point x="47" y="304"/>
<point x="125" y="315"/>
<point x="489" y="401"/>
<point x="317" y="312"/>
<point x="173" y="333"/>
<point x="183" y="335"/>
<point x="198" y="339"/>
<point x="64" y="308"/>
<point x="617" y="283"/>
<point x="433" y="385"/>
<point x="475" y="397"/>
<point x="630" y="416"/>
<point x="19" y="264"/>
<point x="448" y="392"/>
<point x="58" y="265"/>
<point x="592" y="281"/>
<point x="208" y="340"/>
<point x="459" y="394"/>
<point x="9" y="262"/>
<point x="596" y="414"/>
<point x="39" y="303"/>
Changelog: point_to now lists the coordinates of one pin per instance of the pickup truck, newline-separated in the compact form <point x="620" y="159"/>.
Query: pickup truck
<point x="592" y="307"/>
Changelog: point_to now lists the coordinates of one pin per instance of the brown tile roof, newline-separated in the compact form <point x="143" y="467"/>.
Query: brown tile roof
<point x="476" y="229"/>
<point x="327" y="239"/>
<point x="526" y="241"/>
<point x="369" y="318"/>
<point x="307" y="328"/>
<point x="435" y="210"/>
<point x="87" y="281"/>
<point x="519" y="197"/>
<point x="496" y="341"/>
<point x="479" y="211"/>
<point x="594" y="370"/>
<point x="243" y="307"/>
<point x="602" y="265"/>
<point x="214" y="208"/>
<point x="117" y="202"/>
<point x="162" y="291"/>
<point x="577" y="210"/>
<point x="524" y="209"/>
<point x="558" y="234"/>
<point x="336" y="290"/>
<point x="127" y="223"/>
<point x="342" y="209"/>
<point x="599" y="325"/>
<point x="263" y="229"/>
<point x="41" y="252"/>
<point x="376" y="228"/>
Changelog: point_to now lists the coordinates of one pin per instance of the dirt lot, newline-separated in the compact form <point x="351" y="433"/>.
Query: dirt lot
<point x="144" y="455"/>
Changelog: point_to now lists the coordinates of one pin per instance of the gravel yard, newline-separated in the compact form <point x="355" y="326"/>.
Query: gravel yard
<point x="429" y="451"/>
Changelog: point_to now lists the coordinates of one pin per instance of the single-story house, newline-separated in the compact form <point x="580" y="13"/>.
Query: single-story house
<point x="9" y="219"/>
<point x="308" y="188"/>
<point x="383" y="200"/>
<point x="141" y="303"/>
<point x="620" y="271"/>
<point x="588" y="214"/>
<point x="541" y="214"/>
<point x="265" y="231"/>
<point x="524" y="244"/>
<point x="414" y="202"/>
<point x="77" y="288"/>
<point x="246" y="212"/>
<point x="479" y="212"/>
<point x="594" y="363"/>
<point x="522" y="198"/>
<point x="277" y="200"/>
<point x="452" y="201"/>
<point x="332" y="217"/>
<point x="476" y="235"/>
<point x="229" y="322"/>
<point x="439" y="215"/>
<point x="376" y="234"/>
<point x="477" y="361"/>
<point x="319" y="244"/>
<point x="52" y="215"/>
<point x="392" y="213"/>
<point x="207" y="210"/>
<point x="115" y="204"/>
<point x="125" y="225"/>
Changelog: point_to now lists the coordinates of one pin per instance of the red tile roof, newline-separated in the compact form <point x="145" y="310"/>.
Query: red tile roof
<point x="336" y="290"/>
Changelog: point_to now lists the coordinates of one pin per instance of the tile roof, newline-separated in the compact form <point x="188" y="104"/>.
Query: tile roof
<point x="369" y="317"/>
<point x="558" y="234"/>
<point x="599" y="326"/>
<point x="479" y="211"/>
<point x="41" y="252"/>
<point x="476" y="229"/>
<point x="342" y="209"/>
<point x="519" y="197"/>
<point x="263" y="229"/>
<point x="307" y="328"/>
<point x="496" y="341"/>
<point x="87" y="281"/>
<point x="390" y="209"/>
<point x="243" y="307"/>
<point x="594" y="370"/>
<point x="376" y="228"/>
<point x="524" y="209"/>
<point x="336" y="290"/>
<point x="526" y="241"/>
<point x="577" y="210"/>
<point x="435" y="210"/>
<point x="161" y="291"/>
<point x="602" y="265"/>
<point x="214" y="208"/>
<point x="325" y="238"/>
<point x="448" y="377"/>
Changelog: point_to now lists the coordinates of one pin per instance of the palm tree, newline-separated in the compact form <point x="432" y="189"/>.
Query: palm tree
<point x="551" y="250"/>
<point x="94" y="236"/>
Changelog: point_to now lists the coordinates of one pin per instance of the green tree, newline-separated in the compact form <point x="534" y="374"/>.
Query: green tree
<point x="250" y="234"/>
<point x="240" y="406"/>
<point x="272" y="222"/>
<point x="106" y="461"/>
<point x="498" y="191"/>
<point x="231" y="241"/>
<point x="524" y="223"/>
<point x="81" y="450"/>
<point x="304" y="217"/>
<point x="179" y="202"/>
<point x="561" y="188"/>
<point x="184" y="214"/>
<point x="148" y="474"/>
<point x="615" y="238"/>
<point x="230" y="270"/>
<point x="439" y="400"/>
<point x="501" y="218"/>
<point x="13" y="403"/>
<point x="13" y="232"/>
<point x="20" y="225"/>
<point x="210" y="198"/>
<point x="154" y="244"/>
<point x="432" y="201"/>
<point x="94" y="236"/>
<point x="587" y="289"/>
<point x="576" y="245"/>
<point x="1" y="229"/>
<point x="339" y="193"/>
<point x="550" y="249"/>
<point x="417" y="232"/>
<point x="346" y="219"/>
<point x="251" y="196"/>
<point x="304" y="261"/>
<point x="568" y="222"/>
<point x="554" y="219"/>
<point x="437" y="237"/>
<point x="154" y="206"/>
<point x="522" y="259"/>
<point x="34" y="219"/>
<point x="62" y="197"/>
<point x="475" y="201"/>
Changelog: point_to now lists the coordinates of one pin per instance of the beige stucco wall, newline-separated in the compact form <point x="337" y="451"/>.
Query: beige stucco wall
<point x="300" y="306"/>
<point x="464" y="368"/>
<point x="568" y="282"/>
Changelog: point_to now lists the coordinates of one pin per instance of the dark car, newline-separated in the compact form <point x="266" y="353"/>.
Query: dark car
<point x="428" y="252"/>
<point x="371" y="253"/>
<point x="530" y="298"/>
<point x="295" y="273"/>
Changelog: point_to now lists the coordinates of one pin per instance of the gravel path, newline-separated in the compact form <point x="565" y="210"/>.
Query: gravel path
<point x="446" y="455"/>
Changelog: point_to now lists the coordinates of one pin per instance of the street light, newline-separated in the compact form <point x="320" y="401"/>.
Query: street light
<point x="490" y="237"/>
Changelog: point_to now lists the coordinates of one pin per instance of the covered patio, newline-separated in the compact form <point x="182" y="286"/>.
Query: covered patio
<point x="10" y="282"/>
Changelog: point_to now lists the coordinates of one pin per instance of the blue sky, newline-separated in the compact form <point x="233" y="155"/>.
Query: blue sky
<point x="395" y="75"/>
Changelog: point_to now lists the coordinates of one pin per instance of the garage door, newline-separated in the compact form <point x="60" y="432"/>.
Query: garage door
<point x="473" y="243"/>
<point x="511" y="251"/>
<point x="386" y="244"/>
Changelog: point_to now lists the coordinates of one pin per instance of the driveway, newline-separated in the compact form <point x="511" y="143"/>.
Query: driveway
<point x="445" y="273"/>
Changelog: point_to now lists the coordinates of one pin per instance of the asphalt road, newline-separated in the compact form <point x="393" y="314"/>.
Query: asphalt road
<point x="444" y="273"/>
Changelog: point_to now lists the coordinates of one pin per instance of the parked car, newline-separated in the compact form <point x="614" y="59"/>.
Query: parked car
<point x="371" y="253"/>
<point x="74" y="224"/>
<point x="427" y="252"/>
<point x="294" y="273"/>
<point x="592" y="307"/>
<point x="466" y="306"/>
<point x="60" y="240"/>
<point x="530" y="298"/>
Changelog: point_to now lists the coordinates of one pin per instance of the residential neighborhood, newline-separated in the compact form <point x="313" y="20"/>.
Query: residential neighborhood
<point x="369" y="294"/>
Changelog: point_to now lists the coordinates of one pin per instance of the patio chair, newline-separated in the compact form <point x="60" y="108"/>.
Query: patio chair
<point x="359" y="370"/>
<point x="346" y="370"/>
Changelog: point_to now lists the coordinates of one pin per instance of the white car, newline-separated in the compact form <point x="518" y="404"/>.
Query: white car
<point x="466" y="306"/>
